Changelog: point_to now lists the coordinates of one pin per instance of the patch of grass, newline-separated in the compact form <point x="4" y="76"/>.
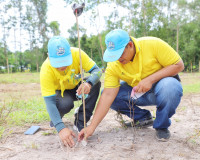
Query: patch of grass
<point x="192" y="88"/>
<point x="32" y="111"/>
<point x="195" y="137"/>
<point x="23" y="112"/>
<point x="20" y="78"/>
<point x="177" y="120"/>
<point x="2" y="130"/>
<point x="183" y="108"/>
<point x="70" y="115"/>
<point x="33" y="145"/>
<point x="48" y="133"/>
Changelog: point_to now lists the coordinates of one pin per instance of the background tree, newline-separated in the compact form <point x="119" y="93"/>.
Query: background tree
<point x="54" y="26"/>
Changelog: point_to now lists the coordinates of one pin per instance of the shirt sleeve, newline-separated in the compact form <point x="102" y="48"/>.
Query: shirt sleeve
<point x="47" y="82"/>
<point x="54" y="113"/>
<point x="95" y="75"/>
<point x="111" y="79"/>
<point x="87" y="62"/>
<point x="166" y="55"/>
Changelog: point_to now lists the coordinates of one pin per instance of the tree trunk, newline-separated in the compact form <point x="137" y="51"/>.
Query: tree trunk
<point x="102" y="50"/>
<point x="199" y="66"/>
<point x="91" y="53"/>
<point x="7" y="65"/>
<point x="177" y="30"/>
<point x="191" y="67"/>
<point x="6" y="55"/>
<point x="144" y="17"/>
<point x="37" y="67"/>
<point x="37" y="59"/>
<point x="177" y="38"/>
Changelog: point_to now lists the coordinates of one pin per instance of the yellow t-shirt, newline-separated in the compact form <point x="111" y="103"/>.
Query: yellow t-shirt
<point x="152" y="54"/>
<point x="51" y="79"/>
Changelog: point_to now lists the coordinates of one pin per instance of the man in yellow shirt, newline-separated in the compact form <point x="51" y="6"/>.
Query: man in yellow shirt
<point x="147" y="68"/>
<point x="60" y="85"/>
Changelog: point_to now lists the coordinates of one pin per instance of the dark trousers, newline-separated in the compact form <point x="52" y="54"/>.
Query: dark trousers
<point x="66" y="103"/>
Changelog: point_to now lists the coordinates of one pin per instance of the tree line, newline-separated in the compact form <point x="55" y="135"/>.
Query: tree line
<point x="175" y="21"/>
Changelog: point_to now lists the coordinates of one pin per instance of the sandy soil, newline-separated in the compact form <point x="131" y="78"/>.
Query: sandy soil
<point x="110" y="140"/>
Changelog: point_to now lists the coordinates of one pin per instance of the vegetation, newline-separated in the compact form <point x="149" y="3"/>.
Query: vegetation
<point x="31" y="110"/>
<point x="176" y="22"/>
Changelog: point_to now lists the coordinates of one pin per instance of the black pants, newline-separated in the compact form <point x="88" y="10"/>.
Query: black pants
<point x="66" y="103"/>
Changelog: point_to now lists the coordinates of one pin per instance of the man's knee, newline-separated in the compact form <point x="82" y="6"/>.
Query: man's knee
<point x="168" y="93"/>
<point x="64" y="104"/>
<point x="169" y="87"/>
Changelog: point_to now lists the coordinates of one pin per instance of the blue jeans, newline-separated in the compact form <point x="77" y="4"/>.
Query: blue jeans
<point x="165" y="94"/>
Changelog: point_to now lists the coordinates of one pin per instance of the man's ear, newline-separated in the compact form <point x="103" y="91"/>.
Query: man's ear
<point x="130" y="44"/>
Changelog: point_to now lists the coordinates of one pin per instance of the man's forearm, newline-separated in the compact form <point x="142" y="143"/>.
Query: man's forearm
<point x="168" y="71"/>
<point x="54" y="113"/>
<point x="103" y="105"/>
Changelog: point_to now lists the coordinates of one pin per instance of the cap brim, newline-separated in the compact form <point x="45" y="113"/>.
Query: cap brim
<point x="61" y="62"/>
<point x="111" y="56"/>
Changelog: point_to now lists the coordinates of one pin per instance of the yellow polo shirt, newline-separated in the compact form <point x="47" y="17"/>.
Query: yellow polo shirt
<point x="51" y="79"/>
<point x="152" y="54"/>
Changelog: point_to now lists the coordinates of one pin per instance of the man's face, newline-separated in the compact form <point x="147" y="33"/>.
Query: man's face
<point x="62" y="68"/>
<point x="128" y="53"/>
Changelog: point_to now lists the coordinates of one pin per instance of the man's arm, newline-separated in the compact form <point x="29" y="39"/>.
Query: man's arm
<point x="103" y="106"/>
<point x="65" y="134"/>
<point x="169" y="71"/>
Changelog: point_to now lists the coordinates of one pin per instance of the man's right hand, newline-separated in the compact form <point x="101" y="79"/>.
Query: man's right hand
<point x="85" y="133"/>
<point x="66" y="135"/>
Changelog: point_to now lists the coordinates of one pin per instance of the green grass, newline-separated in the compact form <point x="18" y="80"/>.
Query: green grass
<point x="20" y="78"/>
<point x="191" y="88"/>
<point x="22" y="112"/>
<point x="33" y="111"/>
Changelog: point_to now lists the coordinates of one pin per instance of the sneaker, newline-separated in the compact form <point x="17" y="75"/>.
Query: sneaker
<point x="51" y="124"/>
<point x="163" y="134"/>
<point x="75" y="128"/>
<point x="147" y="122"/>
<point x="76" y="111"/>
<point x="78" y="126"/>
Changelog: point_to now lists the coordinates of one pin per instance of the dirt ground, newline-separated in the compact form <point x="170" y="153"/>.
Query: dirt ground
<point x="110" y="140"/>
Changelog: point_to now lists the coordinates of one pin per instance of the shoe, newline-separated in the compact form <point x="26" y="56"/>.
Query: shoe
<point x="163" y="134"/>
<point x="147" y="122"/>
<point x="78" y="126"/>
<point x="75" y="128"/>
<point x="76" y="111"/>
<point x="51" y="124"/>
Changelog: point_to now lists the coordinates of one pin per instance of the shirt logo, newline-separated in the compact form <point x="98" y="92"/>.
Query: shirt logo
<point x="60" y="51"/>
<point x="111" y="45"/>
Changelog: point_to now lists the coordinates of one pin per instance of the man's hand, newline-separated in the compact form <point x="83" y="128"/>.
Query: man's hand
<point x="88" y="130"/>
<point x="144" y="85"/>
<point x="66" y="135"/>
<point x="87" y="88"/>
<point x="169" y="71"/>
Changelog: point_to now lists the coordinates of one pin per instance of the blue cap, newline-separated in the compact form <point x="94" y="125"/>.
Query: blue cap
<point x="59" y="52"/>
<point x="116" y="41"/>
